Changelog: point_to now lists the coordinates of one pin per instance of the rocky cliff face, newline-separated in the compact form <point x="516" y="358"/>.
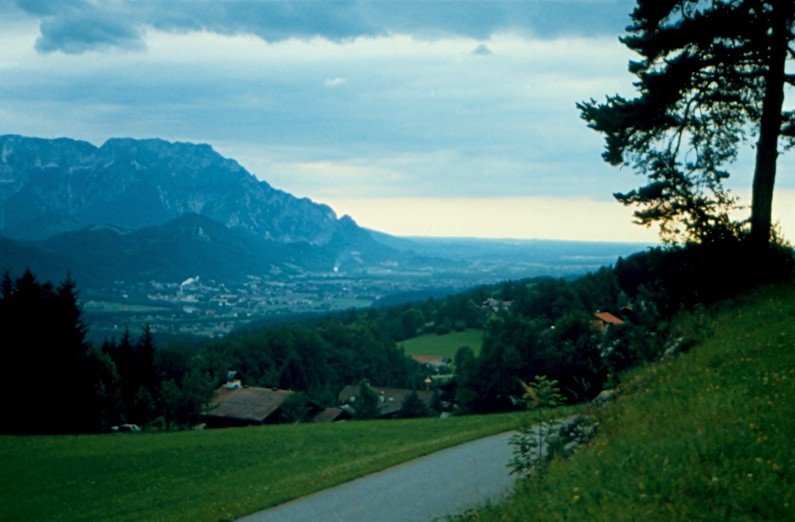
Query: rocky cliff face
<point x="53" y="186"/>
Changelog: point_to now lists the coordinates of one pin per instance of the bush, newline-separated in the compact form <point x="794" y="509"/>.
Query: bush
<point x="295" y="408"/>
<point x="443" y="328"/>
<point x="534" y="444"/>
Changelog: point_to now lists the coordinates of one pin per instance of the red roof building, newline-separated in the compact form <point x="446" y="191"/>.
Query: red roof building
<point x="605" y="319"/>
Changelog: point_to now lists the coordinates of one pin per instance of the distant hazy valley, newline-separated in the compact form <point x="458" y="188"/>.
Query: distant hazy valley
<point x="175" y="235"/>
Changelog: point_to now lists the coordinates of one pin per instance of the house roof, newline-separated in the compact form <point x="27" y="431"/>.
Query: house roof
<point x="328" y="415"/>
<point x="608" y="318"/>
<point x="495" y="304"/>
<point x="430" y="359"/>
<point x="247" y="404"/>
<point x="391" y="399"/>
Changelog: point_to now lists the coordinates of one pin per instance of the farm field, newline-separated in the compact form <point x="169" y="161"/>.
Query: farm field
<point x="212" y="474"/>
<point x="444" y="345"/>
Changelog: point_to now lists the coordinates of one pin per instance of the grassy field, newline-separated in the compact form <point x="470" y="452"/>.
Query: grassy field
<point x="706" y="436"/>
<point x="209" y="475"/>
<point x="443" y="345"/>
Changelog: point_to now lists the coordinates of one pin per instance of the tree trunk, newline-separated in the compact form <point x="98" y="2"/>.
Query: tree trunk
<point x="770" y="129"/>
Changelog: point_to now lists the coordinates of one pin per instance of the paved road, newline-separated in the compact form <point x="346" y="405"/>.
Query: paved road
<point x="444" y="483"/>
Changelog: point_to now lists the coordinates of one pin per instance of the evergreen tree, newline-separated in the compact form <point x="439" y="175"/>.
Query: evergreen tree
<point x="711" y="77"/>
<point x="366" y="405"/>
<point x="106" y="404"/>
<point x="6" y="287"/>
<point x="70" y="353"/>
<point x="145" y="354"/>
<point x="48" y="363"/>
<point x="295" y="408"/>
<point x="413" y="406"/>
<point x="182" y="406"/>
<point x="124" y="359"/>
<point x="139" y="384"/>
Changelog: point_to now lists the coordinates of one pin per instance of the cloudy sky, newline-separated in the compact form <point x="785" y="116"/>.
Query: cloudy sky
<point x="414" y="117"/>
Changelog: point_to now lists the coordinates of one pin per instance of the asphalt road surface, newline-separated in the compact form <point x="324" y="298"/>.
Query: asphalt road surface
<point x="444" y="483"/>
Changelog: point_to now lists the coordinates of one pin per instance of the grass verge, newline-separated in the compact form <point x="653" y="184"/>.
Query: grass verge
<point x="210" y="475"/>
<point x="706" y="436"/>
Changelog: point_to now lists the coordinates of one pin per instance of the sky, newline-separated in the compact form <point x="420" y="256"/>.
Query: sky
<point x="446" y="118"/>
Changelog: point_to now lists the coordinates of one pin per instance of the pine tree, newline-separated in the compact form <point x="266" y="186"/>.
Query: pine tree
<point x="145" y="355"/>
<point x="47" y="359"/>
<point x="124" y="358"/>
<point x="711" y="77"/>
<point x="366" y="405"/>
<point x="413" y="406"/>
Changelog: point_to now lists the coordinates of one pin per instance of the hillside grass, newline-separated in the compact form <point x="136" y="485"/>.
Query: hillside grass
<point x="705" y="436"/>
<point x="213" y="474"/>
<point x="444" y="345"/>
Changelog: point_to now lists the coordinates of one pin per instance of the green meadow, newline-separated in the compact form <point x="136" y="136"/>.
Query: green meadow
<point x="705" y="436"/>
<point x="213" y="474"/>
<point x="443" y="345"/>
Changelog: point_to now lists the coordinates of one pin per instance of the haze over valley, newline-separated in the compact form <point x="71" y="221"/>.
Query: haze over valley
<point x="179" y="237"/>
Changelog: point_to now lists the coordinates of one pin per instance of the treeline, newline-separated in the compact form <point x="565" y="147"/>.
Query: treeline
<point x="59" y="383"/>
<point x="318" y="359"/>
<point x="550" y="329"/>
<point x="150" y="387"/>
<point x="399" y="322"/>
<point x="536" y="327"/>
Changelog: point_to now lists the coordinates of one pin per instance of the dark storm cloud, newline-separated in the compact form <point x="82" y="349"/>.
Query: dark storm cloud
<point x="82" y="25"/>
<point x="77" y="26"/>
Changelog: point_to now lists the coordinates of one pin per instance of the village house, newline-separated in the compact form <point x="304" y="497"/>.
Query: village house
<point x="495" y="305"/>
<point x="605" y="320"/>
<point x="390" y="400"/>
<point x="434" y="363"/>
<point x="334" y="414"/>
<point x="237" y="405"/>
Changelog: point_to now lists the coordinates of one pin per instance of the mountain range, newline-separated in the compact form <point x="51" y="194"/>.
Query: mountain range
<point x="151" y="209"/>
<point x="53" y="186"/>
<point x="137" y="211"/>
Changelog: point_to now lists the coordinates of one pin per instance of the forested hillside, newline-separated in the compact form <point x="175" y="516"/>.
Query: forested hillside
<point x="541" y="326"/>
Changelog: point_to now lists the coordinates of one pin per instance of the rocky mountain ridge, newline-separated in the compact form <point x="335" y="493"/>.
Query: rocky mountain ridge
<point x="53" y="186"/>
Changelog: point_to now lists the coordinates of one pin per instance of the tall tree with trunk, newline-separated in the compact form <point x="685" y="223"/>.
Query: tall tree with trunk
<point x="711" y="77"/>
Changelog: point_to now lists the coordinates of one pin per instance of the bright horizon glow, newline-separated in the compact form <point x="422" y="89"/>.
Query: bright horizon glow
<point x="573" y="219"/>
